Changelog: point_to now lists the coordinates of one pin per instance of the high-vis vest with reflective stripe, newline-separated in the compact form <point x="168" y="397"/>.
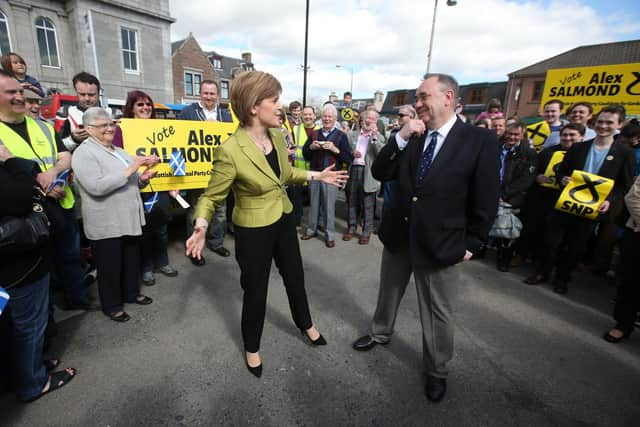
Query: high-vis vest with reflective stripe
<point x="300" y="135"/>
<point x="43" y="148"/>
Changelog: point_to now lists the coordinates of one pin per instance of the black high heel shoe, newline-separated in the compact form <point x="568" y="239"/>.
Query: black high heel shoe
<point x="318" y="341"/>
<point x="625" y="334"/>
<point x="256" y="371"/>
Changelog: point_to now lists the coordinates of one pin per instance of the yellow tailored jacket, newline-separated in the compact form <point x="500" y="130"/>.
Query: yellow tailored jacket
<point x="260" y="196"/>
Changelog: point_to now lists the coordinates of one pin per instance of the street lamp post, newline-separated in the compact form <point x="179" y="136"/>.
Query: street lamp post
<point x="306" y="51"/>
<point x="350" y="70"/>
<point x="433" y="28"/>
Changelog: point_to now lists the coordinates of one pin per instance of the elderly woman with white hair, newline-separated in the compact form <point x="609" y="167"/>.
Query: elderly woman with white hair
<point x="112" y="212"/>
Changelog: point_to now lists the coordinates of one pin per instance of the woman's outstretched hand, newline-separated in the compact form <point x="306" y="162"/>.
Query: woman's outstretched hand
<point x="195" y="243"/>
<point x="333" y="177"/>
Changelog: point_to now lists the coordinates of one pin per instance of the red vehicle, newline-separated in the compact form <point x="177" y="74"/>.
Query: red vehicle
<point x="54" y="108"/>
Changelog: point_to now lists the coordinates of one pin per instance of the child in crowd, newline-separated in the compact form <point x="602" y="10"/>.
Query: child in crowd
<point x="15" y="64"/>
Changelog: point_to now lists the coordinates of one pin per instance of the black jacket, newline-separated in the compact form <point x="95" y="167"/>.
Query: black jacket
<point x="16" y="194"/>
<point x="518" y="175"/>
<point x="454" y="208"/>
<point x="619" y="165"/>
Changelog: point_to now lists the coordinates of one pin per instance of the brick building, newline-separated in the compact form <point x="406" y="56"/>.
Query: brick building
<point x="190" y="66"/>
<point x="526" y="85"/>
<point x="226" y="69"/>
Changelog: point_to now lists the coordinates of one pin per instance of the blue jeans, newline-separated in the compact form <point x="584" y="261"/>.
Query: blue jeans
<point x="67" y="259"/>
<point x="27" y="314"/>
<point x="154" y="247"/>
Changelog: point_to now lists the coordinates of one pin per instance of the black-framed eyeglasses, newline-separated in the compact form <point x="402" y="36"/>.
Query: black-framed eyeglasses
<point x="142" y="104"/>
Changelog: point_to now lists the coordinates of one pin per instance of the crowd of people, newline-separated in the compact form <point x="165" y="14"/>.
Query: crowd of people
<point x="277" y="161"/>
<point x="602" y="143"/>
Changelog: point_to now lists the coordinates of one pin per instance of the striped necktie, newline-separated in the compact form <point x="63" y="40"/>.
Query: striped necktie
<point x="426" y="159"/>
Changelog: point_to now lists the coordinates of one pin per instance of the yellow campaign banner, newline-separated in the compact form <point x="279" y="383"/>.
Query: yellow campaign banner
<point x="552" y="170"/>
<point x="601" y="86"/>
<point x="584" y="194"/>
<point x="538" y="134"/>
<point x="193" y="140"/>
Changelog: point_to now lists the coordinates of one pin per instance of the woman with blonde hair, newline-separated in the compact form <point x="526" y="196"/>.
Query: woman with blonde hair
<point x="253" y="162"/>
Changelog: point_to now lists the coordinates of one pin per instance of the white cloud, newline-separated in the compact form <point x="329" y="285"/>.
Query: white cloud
<point x="386" y="42"/>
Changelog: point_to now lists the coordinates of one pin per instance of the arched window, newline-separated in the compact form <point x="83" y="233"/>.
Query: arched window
<point x="47" y="42"/>
<point x="5" y="40"/>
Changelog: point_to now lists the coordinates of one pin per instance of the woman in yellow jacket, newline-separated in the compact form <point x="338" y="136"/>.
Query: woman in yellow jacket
<point x="253" y="162"/>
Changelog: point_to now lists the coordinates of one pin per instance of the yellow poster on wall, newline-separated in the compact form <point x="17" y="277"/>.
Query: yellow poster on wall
<point x="601" y="86"/>
<point x="194" y="141"/>
<point x="584" y="194"/>
<point x="538" y="134"/>
<point x="552" y="170"/>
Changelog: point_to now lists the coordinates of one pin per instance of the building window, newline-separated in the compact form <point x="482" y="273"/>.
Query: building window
<point x="475" y="96"/>
<point x="192" y="83"/>
<point x="217" y="64"/>
<point x="129" y="49"/>
<point x="47" y="42"/>
<point x="400" y="99"/>
<point x="5" y="40"/>
<point x="538" y="87"/>
<point x="224" y="89"/>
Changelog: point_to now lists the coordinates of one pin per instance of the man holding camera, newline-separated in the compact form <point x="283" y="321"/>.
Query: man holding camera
<point x="326" y="146"/>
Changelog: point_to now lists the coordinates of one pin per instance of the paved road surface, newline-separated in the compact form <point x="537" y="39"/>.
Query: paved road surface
<point x="524" y="355"/>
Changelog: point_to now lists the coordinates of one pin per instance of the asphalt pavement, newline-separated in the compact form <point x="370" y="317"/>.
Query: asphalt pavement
<point x="524" y="356"/>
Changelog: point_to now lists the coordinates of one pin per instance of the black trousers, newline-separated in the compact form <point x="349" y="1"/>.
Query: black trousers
<point x="255" y="250"/>
<point x="628" y="300"/>
<point x="295" y="193"/>
<point x="118" y="264"/>
<point x="564" y="230"/>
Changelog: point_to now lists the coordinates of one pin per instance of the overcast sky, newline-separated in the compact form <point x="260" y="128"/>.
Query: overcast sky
<point x="385" y="42"/>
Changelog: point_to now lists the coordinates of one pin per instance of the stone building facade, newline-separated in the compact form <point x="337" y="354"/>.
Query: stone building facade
<point x="126" y="44"/>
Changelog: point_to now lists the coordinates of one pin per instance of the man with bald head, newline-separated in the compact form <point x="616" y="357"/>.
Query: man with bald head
<point x="446" y="198"/>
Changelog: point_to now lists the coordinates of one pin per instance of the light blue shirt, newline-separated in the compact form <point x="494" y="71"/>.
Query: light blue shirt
<point x="443" y="131"/>
<point x="595" y="159"/>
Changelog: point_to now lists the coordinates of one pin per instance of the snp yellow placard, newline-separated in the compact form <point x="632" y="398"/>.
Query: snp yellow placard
<point x="196" y="141"/>
<point x="601" y="86"/>
<point x="584" y="194"/>
<point x="538" y="133"/>
<point x="552" y="169"/>
<point x="346" y="113"/>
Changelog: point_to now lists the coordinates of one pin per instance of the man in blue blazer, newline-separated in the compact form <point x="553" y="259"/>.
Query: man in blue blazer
<point x="208" y="109"/>
<point x="446" y="198"/>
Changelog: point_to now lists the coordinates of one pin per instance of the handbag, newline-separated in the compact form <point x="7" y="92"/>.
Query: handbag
<point x="21" y="234"/>
<point x="506" y="225"/>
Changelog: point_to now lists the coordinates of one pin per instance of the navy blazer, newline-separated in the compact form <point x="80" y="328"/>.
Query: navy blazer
<point x="195" y="112"/>
<point x="456" y="205"/>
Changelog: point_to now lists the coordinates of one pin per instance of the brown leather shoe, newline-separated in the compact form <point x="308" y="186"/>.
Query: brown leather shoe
<point x="307" y="236"/>
<point x="347" y="236"/>
<point x="330" y="243"/>
<point x="363" y="240"/>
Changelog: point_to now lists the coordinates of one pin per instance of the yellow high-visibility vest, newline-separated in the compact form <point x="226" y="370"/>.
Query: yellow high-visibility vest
<point x="300" y="135"/>
<point x="42" y="150"/>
